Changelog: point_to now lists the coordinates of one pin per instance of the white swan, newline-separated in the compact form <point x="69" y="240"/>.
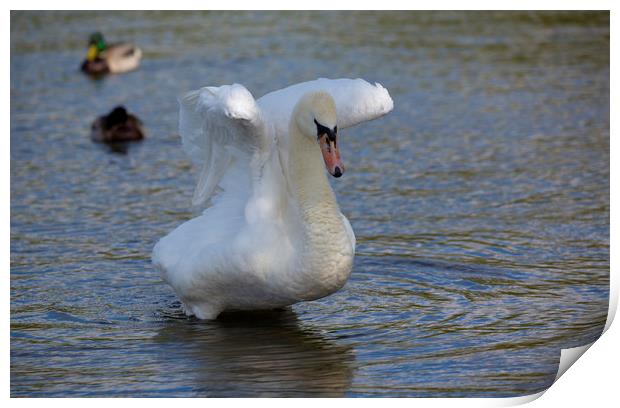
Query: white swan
<point x="272" y="233"/>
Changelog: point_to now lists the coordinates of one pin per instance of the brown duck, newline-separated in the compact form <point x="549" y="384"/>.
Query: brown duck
<point x="117" y="126"/>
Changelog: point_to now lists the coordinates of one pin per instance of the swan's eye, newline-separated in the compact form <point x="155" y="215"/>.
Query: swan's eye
<point x="324" y="130"/>
<point x="321" y="130"/>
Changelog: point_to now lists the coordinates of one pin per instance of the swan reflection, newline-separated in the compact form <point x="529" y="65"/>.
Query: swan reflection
<point x="258" y="354"/>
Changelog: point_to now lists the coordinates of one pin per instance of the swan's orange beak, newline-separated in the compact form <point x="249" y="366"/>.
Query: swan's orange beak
<point x="331" y="155"/>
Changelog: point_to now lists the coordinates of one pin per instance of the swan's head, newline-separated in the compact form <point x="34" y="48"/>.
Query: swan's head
<point x="316" y="118"/>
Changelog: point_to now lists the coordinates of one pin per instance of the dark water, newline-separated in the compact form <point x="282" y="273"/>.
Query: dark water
<point x="480" y="205"/>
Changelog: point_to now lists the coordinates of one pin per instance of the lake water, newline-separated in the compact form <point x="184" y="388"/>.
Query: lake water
<point x="480" y="205"/>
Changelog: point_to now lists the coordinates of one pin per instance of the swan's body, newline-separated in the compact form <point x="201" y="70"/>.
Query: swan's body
<point x="273" y="233"/>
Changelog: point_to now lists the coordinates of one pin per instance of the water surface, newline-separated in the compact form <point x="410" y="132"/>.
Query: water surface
<point x="480" y="205"/>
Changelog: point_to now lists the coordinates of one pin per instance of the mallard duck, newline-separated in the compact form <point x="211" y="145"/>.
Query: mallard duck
<point x="272" y="233"/>
<point x="103" y="58"/>
<point x="117" y="126"/>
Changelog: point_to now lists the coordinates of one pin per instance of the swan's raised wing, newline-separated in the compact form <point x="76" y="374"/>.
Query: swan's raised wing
<point x="223" y="132"/>
<point x="356" y="100"/>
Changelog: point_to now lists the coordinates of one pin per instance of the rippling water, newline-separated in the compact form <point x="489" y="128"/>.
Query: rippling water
<point x="480" y="205"/>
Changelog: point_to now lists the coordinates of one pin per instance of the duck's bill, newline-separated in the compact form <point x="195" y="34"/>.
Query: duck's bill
<point x="331" y="155"/>
<point x="92" y="52"/>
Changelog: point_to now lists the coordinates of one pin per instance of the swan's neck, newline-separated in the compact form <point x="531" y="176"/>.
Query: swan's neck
<point x="314" y="196"/>
<point x="326" y="258"/>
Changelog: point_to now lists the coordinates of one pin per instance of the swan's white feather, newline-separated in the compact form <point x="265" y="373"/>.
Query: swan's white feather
<point x="356" y="101"/>
<point x="221" y="127"/>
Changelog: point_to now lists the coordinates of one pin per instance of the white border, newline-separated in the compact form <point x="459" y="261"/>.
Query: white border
<point x="592" y="381"/>
<point x="317" y="5"/>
